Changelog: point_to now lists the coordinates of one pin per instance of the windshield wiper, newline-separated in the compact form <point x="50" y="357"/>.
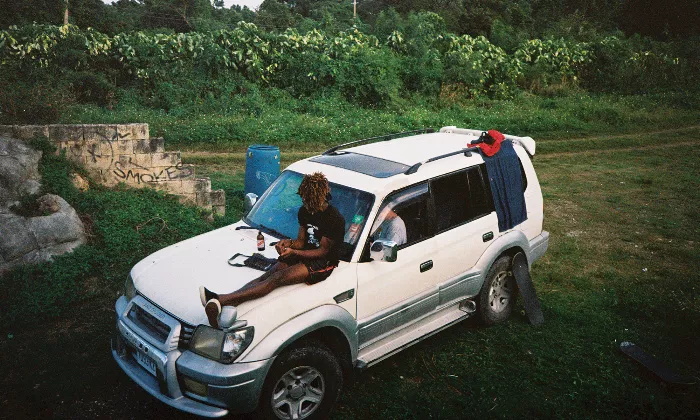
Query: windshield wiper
<point x="273" y="231"/>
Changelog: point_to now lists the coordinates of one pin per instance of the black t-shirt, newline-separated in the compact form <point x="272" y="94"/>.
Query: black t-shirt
<point x="329" y="223"/>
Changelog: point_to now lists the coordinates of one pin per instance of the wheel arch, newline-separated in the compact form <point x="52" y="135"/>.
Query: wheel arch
<point x="329" y="324"/>
<point x="509" y="244"/>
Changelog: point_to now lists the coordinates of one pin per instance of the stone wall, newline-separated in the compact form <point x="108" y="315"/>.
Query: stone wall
<point x="115" y="153"/>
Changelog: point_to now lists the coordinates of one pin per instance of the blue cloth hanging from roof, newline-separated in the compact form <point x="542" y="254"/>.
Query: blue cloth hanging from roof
<point x="505" y="178"/>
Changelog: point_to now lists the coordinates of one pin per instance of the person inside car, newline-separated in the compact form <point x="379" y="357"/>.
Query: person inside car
<point x="310" y="258"/>
<point x="391" y="227"/>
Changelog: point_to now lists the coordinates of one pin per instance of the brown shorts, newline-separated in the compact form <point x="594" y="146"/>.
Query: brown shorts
<point x="319" y="269"/>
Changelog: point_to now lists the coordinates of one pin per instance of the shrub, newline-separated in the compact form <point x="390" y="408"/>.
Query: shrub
<point x="483" y="68"/>
<point x="91" y="88"/>
<point x="551" y="62"/>
<point x="368" y="77"/>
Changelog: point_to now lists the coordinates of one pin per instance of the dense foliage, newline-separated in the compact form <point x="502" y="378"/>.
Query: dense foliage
<point x="47" y="68"/>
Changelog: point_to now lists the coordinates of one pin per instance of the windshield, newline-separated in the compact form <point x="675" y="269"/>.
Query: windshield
<point x="276" y="211"/>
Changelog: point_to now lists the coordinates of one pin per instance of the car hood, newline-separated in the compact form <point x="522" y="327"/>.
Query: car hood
<point x="171" y="277"/>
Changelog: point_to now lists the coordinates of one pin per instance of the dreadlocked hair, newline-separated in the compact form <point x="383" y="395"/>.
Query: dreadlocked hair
<point x="313" y="190"/>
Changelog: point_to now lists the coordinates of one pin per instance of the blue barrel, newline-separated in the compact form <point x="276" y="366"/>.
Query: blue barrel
<point x="262" y="166"/>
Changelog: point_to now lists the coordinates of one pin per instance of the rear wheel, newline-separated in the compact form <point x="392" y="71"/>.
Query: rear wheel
<point x="304" y="383"/>
<point x="498" y="294"/>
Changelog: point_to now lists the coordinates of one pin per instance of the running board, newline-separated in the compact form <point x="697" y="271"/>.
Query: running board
<point x="410" y="335"/>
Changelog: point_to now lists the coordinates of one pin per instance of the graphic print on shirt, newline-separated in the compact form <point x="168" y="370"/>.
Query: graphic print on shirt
<point x="312" y="231"/>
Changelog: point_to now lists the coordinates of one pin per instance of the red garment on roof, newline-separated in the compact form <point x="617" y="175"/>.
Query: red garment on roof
<point x="495" y="146"/>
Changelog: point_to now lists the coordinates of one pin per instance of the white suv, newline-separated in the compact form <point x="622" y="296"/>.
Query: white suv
<point x="286" y="354"/>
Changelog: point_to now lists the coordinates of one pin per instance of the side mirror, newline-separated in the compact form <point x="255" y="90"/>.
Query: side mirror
<point x="227" y="317"/>
<point x="382" y="250"/>
<point x="249" y="201"/>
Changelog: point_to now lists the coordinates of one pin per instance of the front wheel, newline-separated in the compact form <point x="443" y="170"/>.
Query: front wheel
<point x="498" y="294"/>
<point x="304" y="383"/>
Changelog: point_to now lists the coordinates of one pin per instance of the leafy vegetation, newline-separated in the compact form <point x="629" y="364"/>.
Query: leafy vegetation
<point x="49" y="69"/>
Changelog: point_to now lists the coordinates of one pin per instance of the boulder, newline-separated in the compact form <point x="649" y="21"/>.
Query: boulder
<point x="34" y="239"/>
<point x="15" y="237"/>
<point x="61" y="227"/>
<point x="19" y="170"/>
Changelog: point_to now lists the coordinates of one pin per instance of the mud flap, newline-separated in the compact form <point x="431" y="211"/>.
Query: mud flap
<point x="521" y="272"/>
<point x="654" y="365"/>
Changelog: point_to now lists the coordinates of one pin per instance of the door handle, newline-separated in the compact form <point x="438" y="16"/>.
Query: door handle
<point x="487" y="236"/>
<point x="426" y="266"/>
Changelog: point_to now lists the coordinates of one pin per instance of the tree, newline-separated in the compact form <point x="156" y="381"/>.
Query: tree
<point x="275" y="16"/>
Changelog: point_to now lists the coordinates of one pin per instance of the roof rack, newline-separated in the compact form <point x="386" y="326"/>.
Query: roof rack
<point x="467" y="152"/>
<point x="385" y="137"/>
<point x="527" y="143"/>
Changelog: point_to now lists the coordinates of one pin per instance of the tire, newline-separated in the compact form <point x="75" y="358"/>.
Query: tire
<point x="498" y="294"/>
<point x="307" y="378"/>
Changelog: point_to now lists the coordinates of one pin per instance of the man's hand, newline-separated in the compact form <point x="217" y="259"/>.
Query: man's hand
<point x="282" y="245"/>
<point x="287" y="252"/>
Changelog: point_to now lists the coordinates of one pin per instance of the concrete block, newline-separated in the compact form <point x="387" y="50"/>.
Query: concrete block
<point x="123" y="147"/>
<point x="141" y="162"/>
<point x="99" y="160"/>
<point x="166" y="159"/>
<point x="202" y="185"/>
<point x="203" y="199"/>
<point x="187" y="198"/>
<point x="180" y="171"/>
<point x="188" y="186"/>
<point x="28" y="132"/>
<point x="132" y="131"/>
<point x="218" y="210"/>
<point x="155" y="145"/>
<point x="218" y="198"/>
<point x="99" y="132"/>
<point x="177" y="187"/>
<point x="65" y="132"/>
<point x="75" y="150"/>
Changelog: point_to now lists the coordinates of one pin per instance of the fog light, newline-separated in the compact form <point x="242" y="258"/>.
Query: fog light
<point x="194" y="387"/>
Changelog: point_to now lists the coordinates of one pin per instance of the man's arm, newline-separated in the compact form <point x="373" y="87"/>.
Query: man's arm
<point x="297" y="243"/>
<point x="311" y="254"/>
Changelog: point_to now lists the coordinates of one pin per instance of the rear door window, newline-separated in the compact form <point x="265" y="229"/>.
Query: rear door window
<point x="460" y="197"/>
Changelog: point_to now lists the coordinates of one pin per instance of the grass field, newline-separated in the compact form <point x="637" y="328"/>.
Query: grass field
<point x="623" y="265"/>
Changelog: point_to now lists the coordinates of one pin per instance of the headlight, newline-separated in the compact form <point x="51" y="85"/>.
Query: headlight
<point x="221" y="346"/>
<point x="129" y="288"/>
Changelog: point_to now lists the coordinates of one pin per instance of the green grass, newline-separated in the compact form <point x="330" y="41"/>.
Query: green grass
<point x="622" y="265"/>
<point x="314" y="123"/>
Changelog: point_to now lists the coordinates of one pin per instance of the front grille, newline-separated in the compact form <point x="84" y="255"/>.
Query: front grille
<point x="186" y="332"/>
<point x="148" y="323"/>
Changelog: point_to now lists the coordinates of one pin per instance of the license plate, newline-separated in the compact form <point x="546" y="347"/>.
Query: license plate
<point x="146" y="362"/>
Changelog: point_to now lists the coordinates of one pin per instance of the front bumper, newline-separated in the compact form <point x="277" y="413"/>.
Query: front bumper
<point x="222" y="388"/>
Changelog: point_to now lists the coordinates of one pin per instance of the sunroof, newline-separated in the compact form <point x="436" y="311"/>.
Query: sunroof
<point x="368" y="165"/>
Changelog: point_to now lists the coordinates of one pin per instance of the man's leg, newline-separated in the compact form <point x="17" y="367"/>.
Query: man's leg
<point x="275" y="268"/>
<point x="294" y="274"/>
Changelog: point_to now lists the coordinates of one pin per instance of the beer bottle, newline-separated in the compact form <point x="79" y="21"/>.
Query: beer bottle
<point x="261" y="241"/>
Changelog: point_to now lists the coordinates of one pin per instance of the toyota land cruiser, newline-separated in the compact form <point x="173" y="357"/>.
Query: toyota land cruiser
<point x="287" y="354"/>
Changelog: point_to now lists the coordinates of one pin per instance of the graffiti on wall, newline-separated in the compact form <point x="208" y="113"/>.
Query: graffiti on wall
<point x="141" y="174"/>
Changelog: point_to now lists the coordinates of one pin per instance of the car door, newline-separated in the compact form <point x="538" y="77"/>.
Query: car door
<point x="466" y="224"/>
<point x="389" y="294"/>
